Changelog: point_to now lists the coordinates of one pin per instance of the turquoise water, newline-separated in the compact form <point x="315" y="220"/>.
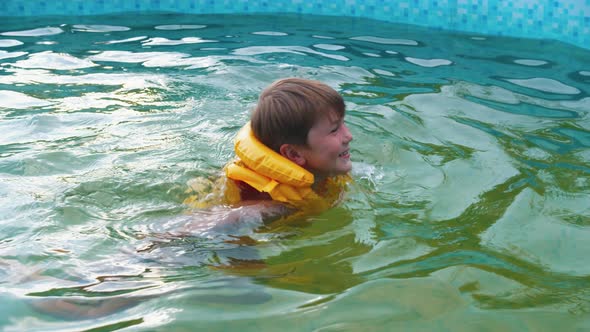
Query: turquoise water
<point x="470" y="208"/>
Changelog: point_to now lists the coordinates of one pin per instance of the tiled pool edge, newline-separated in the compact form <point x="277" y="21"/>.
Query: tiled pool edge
<point x="564" y="20"/>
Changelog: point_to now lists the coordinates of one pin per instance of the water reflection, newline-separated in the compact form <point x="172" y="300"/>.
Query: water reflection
<point x="469" y="209"/>
<point x="98" y="28"/>
<point x="10" y="42"/>
<point x="38" y="32"/>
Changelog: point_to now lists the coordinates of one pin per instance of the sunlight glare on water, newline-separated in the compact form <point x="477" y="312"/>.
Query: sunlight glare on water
<point x="469" y="210"/>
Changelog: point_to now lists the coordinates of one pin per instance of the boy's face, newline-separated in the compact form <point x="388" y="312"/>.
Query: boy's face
<point x="327" y="152"/>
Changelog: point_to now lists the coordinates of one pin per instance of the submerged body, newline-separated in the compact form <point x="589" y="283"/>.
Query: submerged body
<point x="260" y="171"/>
<point x="294" y="152"/>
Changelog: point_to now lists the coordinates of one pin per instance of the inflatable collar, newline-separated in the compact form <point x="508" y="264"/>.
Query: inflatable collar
<point x="267" y="171"/>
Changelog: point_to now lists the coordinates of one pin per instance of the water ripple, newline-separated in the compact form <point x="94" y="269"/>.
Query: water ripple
<point x="159" y="41"/>
<point x="8" y="55"/>
<point x="39" y="32"/>
<point x="386" y="41"/>
<point x="10" y="42"/>
<point x="546" y="85"/>
<point x="256" y="50"/>
<point x="180" y="27"/>
<point x="13" y="99"/>
<point x="98" y="28"/>
<point x="429" y="62"/>
<point x="530" y="62"/>
<point x="51" y="60"/>
<point x="469" y="208"/>
<point x="270" y="33"/>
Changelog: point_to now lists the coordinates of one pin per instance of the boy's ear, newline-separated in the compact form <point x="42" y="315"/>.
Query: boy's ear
<point x="291" y="152"/>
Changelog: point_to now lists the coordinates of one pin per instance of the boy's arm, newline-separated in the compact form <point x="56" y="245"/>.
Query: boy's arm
<point x="229" y="220"/>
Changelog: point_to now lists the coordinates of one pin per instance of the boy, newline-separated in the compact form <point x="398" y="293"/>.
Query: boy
<point x="295" y="150"/>
<point x="298" y="131"/>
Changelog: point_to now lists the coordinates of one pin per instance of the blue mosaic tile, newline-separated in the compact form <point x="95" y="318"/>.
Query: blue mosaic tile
<point x="565" y="20"/>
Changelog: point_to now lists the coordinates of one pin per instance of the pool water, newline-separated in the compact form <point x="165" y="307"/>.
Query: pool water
<point x="470" y="208"/>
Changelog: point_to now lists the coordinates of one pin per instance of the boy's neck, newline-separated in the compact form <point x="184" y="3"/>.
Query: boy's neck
<point x="318" y="180"/>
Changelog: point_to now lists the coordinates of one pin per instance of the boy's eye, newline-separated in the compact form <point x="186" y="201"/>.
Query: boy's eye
<point x="336" y="126"/>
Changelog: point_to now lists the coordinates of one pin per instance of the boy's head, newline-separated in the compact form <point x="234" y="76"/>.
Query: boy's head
<point x="303" y="120"/>
<point x="288" y="108"/>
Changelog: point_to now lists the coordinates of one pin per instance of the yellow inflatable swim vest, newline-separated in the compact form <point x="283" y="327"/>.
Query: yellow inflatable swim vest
<point x="267" y="171"/>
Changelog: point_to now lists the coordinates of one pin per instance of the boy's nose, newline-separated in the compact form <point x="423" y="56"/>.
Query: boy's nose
<point x="347" y="135"/>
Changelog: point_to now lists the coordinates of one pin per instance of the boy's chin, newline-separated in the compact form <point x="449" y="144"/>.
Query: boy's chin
<point x="341" y="171"/>
<point x="345" y="169"/>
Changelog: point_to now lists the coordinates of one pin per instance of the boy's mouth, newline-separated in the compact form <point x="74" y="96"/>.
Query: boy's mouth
<point x="345" y="154"/>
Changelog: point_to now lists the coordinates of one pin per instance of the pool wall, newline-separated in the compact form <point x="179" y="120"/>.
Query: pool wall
<point x="565" y="20"/>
